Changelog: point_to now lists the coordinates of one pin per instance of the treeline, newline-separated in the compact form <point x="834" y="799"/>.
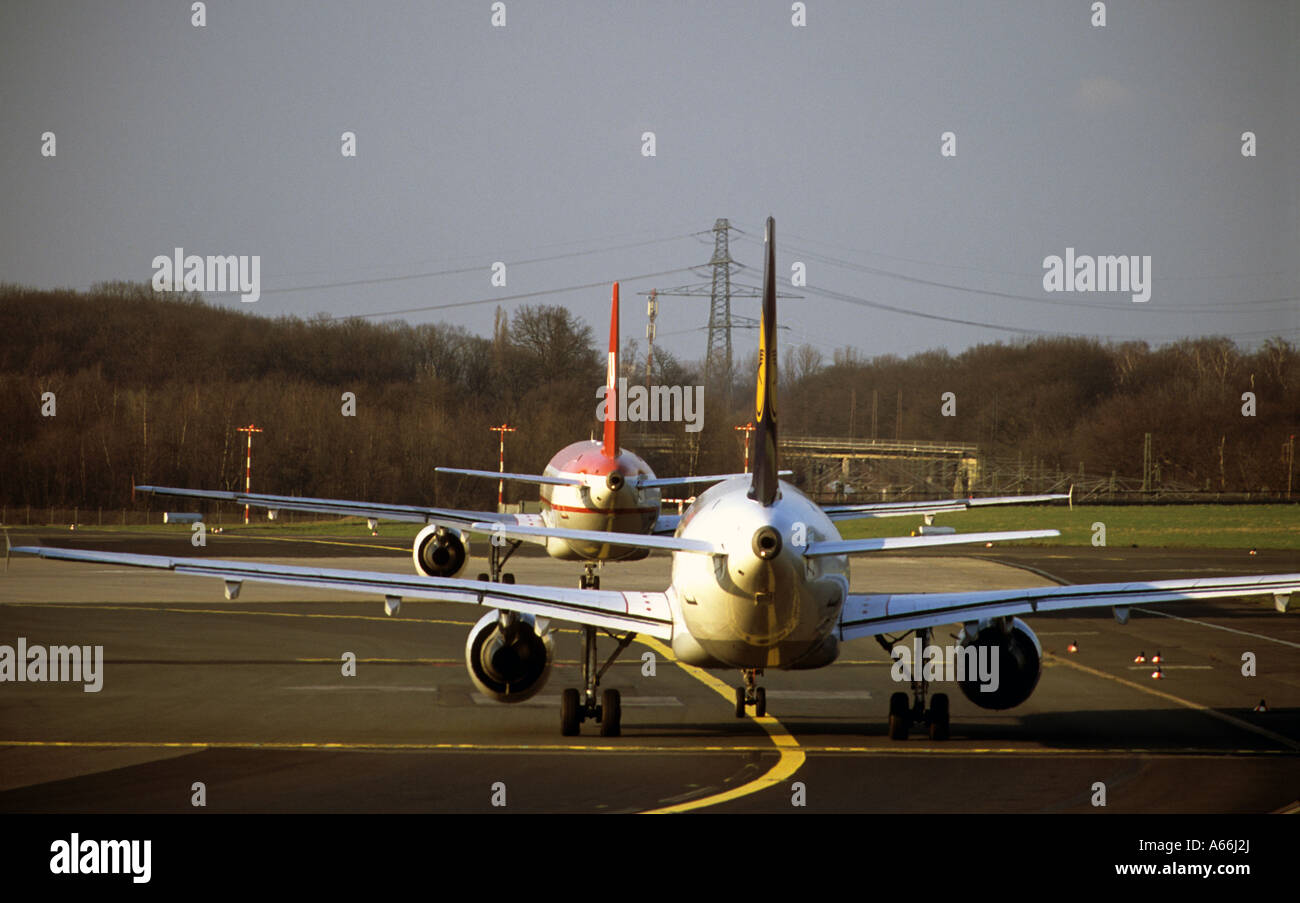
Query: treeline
<point x="150" y="388"/>
<point x="1070" y="403"/>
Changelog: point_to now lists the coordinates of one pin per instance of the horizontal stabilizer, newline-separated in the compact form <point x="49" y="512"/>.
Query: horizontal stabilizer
<point x="852" y="546"/>
<point x="647" y="482"/>
<point x="900" y="509"/>
<point x="517" y="477"/>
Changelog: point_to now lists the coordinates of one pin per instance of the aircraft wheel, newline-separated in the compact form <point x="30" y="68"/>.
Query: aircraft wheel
<point x="507" y="578"/>
<point x="939" y="717"/>
<point x="570" y="716"/>
<point x="900" y="716"/>
<point x="760" y="705"/>
<point x="611" y="714"/>
<point x="740" y="702"/>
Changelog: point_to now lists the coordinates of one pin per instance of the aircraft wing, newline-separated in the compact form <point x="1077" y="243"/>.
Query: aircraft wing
<point x="644" y="613"/>
<point x="868" y="615"/>
<point x="448" y="517"/>
<point x="898" y="509"/>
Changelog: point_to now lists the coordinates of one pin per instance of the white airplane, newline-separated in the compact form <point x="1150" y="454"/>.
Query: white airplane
<point x="592" y="485"/>
<point x="760" y="579"/>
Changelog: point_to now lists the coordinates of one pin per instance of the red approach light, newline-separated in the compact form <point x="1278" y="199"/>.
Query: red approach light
<point x="1141" y="657"/>
<point x="1157" y="674"/>
<point x="988" y="545"/>
<point x="1253" y="552"/>
<point x="1155" y="659"/>
<point x="1073" y="647"/>
<point x="1262" y="707"/>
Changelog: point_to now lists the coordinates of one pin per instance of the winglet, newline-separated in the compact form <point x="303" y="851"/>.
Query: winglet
<point x="764" y="486"/>
<point x="611" y="381"/>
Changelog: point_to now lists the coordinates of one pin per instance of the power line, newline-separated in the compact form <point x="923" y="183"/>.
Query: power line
<point x="852" y="299"/>
<point x="955" y="266"/>
<point x="380" y="280"/>
<point x="456" y="258"/>
<point x="517" y="297"/>
<point x="1232" y="307"/>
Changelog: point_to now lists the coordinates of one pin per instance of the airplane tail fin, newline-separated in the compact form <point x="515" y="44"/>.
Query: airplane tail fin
<point x="611" y="382"/>
<point x="764" y="486"/>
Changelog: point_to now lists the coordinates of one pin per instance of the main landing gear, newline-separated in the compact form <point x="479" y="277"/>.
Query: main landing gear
<point x="903" y="714"/>
<point x="751" y="693"/>
<point x="576" y="707"/>
<point x="498" y="555"/>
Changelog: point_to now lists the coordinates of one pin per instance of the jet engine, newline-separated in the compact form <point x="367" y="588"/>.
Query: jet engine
<point x="507" y="658"/>
<point x="440" y="551"/>
<point x="1010" y="648"/>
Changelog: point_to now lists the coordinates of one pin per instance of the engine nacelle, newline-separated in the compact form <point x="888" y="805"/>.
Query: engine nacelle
<point x="440" y="551"/>
<point x="1018" y="662"/>
<point x="509" y="662"/>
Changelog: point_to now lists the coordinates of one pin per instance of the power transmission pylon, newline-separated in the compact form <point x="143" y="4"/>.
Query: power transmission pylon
<point x="720" y="290"/>
<point x="718" y="357"/>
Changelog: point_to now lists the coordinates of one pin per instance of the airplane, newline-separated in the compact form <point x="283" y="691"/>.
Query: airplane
<point x="760" y="579"/>
<point x="588" y="485"/>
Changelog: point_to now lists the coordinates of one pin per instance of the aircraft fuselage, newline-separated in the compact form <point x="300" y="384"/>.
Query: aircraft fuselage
<point x="762" y="604"/>
<point x="601" y="503"/>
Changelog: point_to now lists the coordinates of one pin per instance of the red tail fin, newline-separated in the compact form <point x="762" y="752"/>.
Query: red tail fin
<point x="611" y="381"/>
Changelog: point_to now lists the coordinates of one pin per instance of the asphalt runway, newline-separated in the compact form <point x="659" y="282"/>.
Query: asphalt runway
<point x="248" y="698"/>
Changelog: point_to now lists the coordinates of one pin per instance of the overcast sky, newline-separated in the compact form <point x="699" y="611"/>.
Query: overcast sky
<point x="478" y="143"/>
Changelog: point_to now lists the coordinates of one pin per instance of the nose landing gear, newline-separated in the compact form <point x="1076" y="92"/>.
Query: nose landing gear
<point x="751" y="694"/>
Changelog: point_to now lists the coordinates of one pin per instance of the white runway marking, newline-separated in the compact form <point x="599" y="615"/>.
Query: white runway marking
<point x="1258" y="636"/>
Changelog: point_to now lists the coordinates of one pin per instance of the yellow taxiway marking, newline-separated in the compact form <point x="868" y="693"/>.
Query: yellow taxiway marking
<point x="323" y="542"/>
<point x="791" y="759"/>
<point x="1213" y="713"/>
<point x="879" y="751"/>
<point x="1293" y="809"/>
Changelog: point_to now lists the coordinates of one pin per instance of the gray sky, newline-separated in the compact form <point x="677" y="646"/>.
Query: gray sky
<point x="477" y="144"/>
